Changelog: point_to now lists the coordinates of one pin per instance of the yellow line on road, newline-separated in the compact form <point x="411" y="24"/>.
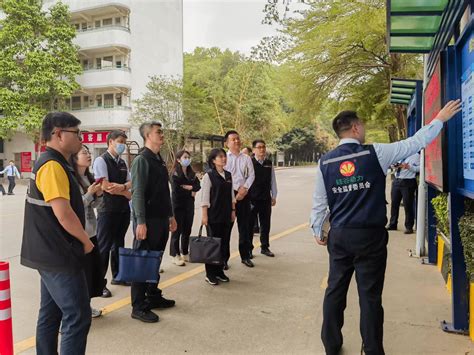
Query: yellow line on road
<point x="31" y="342"/>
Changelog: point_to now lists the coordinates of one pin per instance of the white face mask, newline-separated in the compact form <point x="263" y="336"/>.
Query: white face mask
<point x="186" y="162"/>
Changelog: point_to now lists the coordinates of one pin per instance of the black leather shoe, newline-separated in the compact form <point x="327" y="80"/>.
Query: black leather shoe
<point x="392" y="228"/>
<point x="267" y="252"/>
<point x="161" y="302"/>
<point x="226" y="266"/>
<point x="251" y="255"/>
<point x="121" y="283"/>
<point x="223" y="277"/>
<point x="212" y="280"/>
<point x="408" y="231"/>
<point x="106" y="293"/>
<point x="248" y="262"/>
<point x="145" y="316"/>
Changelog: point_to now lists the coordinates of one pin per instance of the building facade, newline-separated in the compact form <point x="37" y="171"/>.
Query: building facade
<point x="122" y="44"/>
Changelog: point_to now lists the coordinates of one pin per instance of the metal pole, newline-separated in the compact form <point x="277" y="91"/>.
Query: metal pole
<point x="421" y="210"/>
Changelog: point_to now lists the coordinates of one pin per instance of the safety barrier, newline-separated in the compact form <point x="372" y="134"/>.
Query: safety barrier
<point x="6" y="333"/>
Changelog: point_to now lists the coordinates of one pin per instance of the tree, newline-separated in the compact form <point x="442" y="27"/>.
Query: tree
<point x="340" y="59"/>
<point x="38" y="63"/>
<point x="163" y="102"/>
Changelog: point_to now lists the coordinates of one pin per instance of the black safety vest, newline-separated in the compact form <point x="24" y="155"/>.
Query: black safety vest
<point x="355" y="187"/>
<point x="221" y="197"/>
<point x="262" y="186"/>
<point x="46" y="244"/>
<point x="117" y="172"/>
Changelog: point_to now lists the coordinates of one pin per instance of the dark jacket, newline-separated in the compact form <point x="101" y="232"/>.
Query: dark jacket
<point x="181" y="197"/>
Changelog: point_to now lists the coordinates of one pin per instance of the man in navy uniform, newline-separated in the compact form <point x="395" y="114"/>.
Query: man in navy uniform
<point x="350" y="180"/>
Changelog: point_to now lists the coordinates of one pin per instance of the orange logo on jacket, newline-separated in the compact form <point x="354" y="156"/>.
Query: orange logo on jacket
<point x="347" y="168"/>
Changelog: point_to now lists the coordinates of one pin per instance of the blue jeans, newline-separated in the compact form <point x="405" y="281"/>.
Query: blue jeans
<point x="64" y="298"/>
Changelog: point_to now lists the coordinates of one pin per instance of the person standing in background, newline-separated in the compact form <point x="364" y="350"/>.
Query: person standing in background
<point x="184" y="185"/>
<point x="113" y="217"/>
<point x="11" y="171"/>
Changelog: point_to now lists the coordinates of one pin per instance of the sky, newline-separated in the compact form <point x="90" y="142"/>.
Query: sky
<point x="233" y="24"/>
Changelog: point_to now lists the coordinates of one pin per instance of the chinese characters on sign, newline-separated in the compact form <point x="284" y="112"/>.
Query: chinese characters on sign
<point x="25" y="162"/>
<point x="94" y="137"/>
<point x="467" y="93"/>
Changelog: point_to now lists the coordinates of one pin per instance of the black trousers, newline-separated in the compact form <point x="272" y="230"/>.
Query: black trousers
<point x="111" y="231"/>
<point x="261" y="211"/>
<point x="184" y="218"/>
<point x="157" y="237"/>
<point x="242" y="210"/>
<point x="11" y="184"/>
<point x="403" y="189"/>
<point x="365" y="252"/>
<point x="219" y="230"/>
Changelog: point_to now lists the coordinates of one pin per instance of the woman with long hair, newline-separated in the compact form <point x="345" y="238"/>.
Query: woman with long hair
<point x="91" y="197"/>
<point x="184" y="185"/>
<point x="218" y="210"/>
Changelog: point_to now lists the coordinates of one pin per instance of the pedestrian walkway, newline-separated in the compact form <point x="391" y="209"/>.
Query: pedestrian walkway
<point x="274" y="308"/>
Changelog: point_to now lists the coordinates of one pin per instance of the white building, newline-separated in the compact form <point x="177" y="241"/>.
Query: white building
<point x="122" y="43"/>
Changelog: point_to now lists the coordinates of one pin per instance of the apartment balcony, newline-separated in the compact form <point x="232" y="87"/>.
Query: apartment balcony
<point x="95" y="40"/>
<point x="105" y="77"/>
<point x="104" y="117"/>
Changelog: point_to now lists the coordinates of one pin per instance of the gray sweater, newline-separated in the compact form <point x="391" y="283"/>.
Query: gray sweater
<point x="89" y="204"/>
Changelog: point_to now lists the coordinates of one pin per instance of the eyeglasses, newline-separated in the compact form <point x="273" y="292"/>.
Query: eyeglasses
<point x="260" y="147"/>
<point x="77" y="132"/>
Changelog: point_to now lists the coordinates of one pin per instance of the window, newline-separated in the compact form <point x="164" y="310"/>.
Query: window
<point x="107" y="22"/>
<point x="84" y="26"/>
<point x="118" y="21"/>
<point x="98" y="100"/>
<point x="108" y="100"/>
<point x="1" y="146"/>
<point x="77" y="26"/>
<point x="118" y="64"/>
<point x="118" y="97"/>
<point x="98" y="63"/>
<point x="67" y="102"/>
<point x="97" y="24"/>
<point x="76" y="102"/>
<point x="107" y="62"/>
<point x="85" y="101"/>
<point x="85" y="64"/>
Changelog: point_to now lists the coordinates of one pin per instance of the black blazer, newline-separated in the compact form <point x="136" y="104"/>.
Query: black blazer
<point x="181" y="197"/>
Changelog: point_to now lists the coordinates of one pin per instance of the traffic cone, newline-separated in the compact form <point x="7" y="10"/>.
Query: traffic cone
<point x="6" y="333"/>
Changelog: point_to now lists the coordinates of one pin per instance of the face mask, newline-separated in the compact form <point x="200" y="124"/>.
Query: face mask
<point x="120" y="148"/>
<point x="185" y="162"/>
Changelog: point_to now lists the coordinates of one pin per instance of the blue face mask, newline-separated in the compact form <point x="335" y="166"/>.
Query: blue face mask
<point x="120" y="148"/>
<point x="185" y="162"/>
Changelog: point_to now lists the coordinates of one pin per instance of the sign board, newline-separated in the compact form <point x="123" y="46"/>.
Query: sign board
<point x="94" y="137"/>
<point x="25" y="162"/>
<point x="434" y="162"/>
<point x="467" y="96"/>
<point x="281" y="157"/>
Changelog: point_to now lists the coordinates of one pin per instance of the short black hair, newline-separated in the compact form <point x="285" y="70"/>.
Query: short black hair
<point x="213" y="155"/>
<point x="344" y="121"/>
<point x="255" y="142"/>
<point x="228" y="133"/>
<point x="145" y="127"/>
<point x="54" y="120"/>
<point x="115" y="134"/>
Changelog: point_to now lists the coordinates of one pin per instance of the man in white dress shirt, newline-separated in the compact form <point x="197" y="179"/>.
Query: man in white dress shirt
<point x="243" y="176"/>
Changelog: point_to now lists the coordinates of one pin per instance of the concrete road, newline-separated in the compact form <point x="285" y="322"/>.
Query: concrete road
<point x="272" y="308"/>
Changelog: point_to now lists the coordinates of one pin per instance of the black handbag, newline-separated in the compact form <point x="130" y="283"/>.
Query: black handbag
<point x="205" y="250"/>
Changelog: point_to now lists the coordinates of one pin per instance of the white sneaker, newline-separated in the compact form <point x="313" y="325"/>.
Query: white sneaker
<point x="185" y="258"/>
<point x="96" y="313"/>
<point x="177" y="260"/>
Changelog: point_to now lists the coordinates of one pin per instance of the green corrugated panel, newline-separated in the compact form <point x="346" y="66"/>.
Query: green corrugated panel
<point x="415" y="24"/>
<point x="396" y="90"/>
<point x="399" y="102"/>
<point x="403" y="83"/>
<point x="417" y="5"/>
<point x="411" y="43"/>
<point x="400" y="96"/>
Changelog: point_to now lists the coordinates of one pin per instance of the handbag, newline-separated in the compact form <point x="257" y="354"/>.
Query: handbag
<point x="139" y="265"/>
<point x="206" y="250"/>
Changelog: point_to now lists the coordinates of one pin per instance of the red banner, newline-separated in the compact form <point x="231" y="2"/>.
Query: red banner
<point x="94" y="137"/>
<point x="25" y="162"/>
<point x="434" y="169"/>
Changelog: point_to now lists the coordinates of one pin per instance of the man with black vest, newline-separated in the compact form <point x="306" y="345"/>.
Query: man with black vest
<point x="263" y="193"/>
<point x="152" y="216"/>
<point x="350" y="180"/>
<point x="55" y="242"/>
<point x="113" y="217"/>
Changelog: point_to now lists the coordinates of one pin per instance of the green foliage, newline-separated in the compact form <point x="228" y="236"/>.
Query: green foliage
<point x="466" y="229"/>
<point x="38" y="63"/>
<point x="440" y="205"/>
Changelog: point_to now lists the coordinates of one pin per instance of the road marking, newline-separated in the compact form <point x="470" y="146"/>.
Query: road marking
<point x="31" y="342"/>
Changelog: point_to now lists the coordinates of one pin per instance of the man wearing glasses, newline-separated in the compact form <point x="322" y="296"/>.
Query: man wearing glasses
<point x="262" y="194"/>
<point x="55" y="242"/>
